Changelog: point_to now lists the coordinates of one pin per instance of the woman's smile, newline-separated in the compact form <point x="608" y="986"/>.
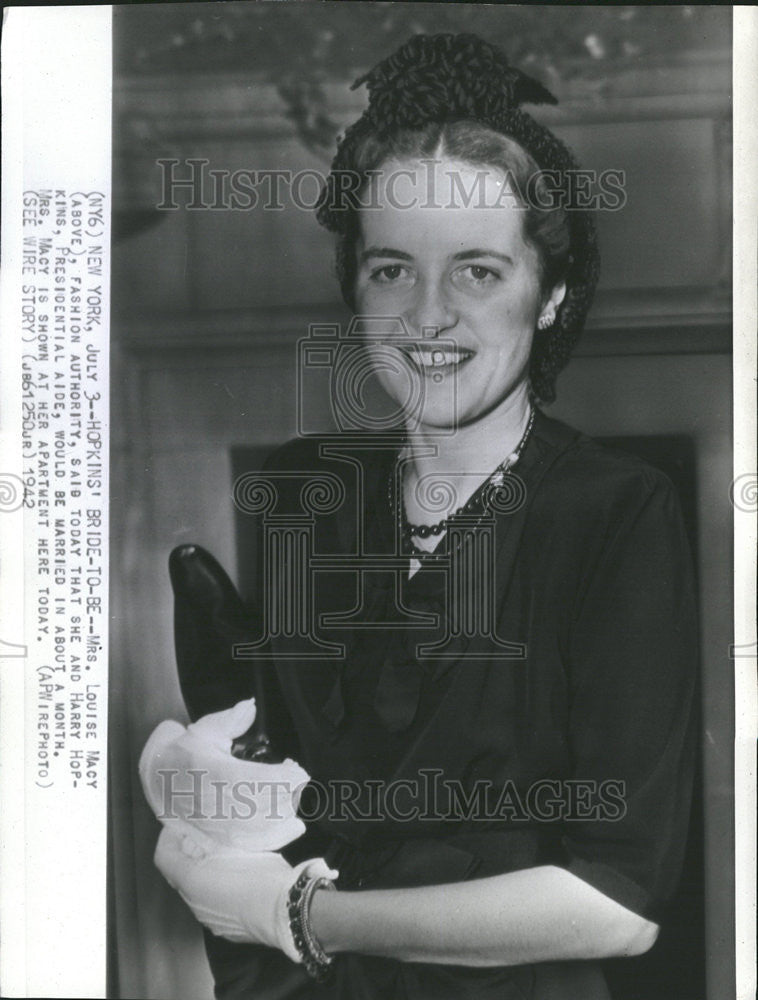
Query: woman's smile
<point x="436" y="361"/>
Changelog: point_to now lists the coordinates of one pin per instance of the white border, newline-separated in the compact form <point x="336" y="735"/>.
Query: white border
<point x="57" y="86"/>
<point x="12" y="673"/>
<point x="745" y="28"/>
<point x="38" y="956"/>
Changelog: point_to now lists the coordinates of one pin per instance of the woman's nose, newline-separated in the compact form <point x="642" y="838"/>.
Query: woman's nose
<point x="431" y="311"/>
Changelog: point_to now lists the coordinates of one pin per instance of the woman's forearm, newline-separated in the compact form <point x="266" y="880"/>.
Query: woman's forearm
<point x="537" y="915"/>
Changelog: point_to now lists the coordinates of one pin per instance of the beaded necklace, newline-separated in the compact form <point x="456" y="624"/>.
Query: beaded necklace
<point x="480" y="500"/>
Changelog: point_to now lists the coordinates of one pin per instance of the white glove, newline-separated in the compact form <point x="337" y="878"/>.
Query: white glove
<point x="237" y="895"/>
<point x="192" y="782"/>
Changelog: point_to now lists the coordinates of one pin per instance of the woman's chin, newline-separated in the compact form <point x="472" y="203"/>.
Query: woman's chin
<point x="445" y="404"/>
<point x="444" y="419"/>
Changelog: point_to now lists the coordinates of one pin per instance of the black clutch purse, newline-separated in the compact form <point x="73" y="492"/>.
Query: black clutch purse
<point x="210" y="619"/>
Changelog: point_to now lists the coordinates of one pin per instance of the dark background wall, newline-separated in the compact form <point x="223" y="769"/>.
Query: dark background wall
<point x="209" y="305"/>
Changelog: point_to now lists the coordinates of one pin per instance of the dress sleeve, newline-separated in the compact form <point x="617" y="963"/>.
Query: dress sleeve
<point x="632" y="725"/>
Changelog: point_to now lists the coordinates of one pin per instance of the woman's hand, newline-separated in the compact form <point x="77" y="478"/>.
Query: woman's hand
<point x="235" y="894"/>
<point x="192" y="781"/>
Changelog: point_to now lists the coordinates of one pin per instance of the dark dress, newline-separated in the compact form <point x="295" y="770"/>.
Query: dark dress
<point x="542" y="713"/>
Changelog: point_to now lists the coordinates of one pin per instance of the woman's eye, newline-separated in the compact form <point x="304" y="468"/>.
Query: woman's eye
<point x="480" y="274"/>
<point x="388" y="273"/>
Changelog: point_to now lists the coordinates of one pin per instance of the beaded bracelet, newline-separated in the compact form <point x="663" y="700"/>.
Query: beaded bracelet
<point x="317" y="963"/>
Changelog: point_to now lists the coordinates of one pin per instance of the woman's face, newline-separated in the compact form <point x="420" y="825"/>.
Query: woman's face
<point x="455" y="268"/>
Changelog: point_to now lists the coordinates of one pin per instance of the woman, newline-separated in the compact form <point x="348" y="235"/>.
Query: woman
<point x="511" y="722"/>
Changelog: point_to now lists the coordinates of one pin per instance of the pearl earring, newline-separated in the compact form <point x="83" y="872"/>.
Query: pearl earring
<point x="546" y="321"/>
